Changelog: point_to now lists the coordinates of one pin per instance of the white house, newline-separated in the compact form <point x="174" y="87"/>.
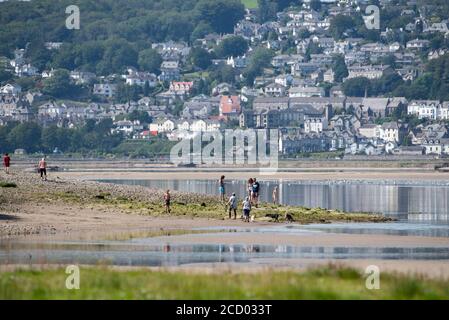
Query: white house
<point x="428" y="109"/>
<point x="128" y="127"/>
<point x="11" y="89"/>
<point x="162" y="125"/>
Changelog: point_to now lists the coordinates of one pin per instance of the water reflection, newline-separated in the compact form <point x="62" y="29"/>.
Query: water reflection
<point x="209" y="253"/>
<point x="420" y="202"/>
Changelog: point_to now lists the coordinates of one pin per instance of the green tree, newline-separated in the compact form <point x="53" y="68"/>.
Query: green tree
<point x="200" y="58"/>
<point x="150" y="60"/>
<point x="315" y="5"/>
<point x="340" y="69"/>
<point x="259" y="60"/>
<point x="266" y="10"/>
<point x="59" y="84"/>
<point x="38" y="54"/>
<point x="232" y="46"/>
<point x="357" y="87"/>
<point x="221" y="15"/>
<point x="339" y="24"/>
<point x="201" y="30"/>
<point x="25" y="136"/>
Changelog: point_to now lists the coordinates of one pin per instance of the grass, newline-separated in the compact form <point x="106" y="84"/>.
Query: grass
<point x="323" y="283"/>
<point x="216" y="209"/>
<point x="7" y="185"/>
<point x="250" y="4"/>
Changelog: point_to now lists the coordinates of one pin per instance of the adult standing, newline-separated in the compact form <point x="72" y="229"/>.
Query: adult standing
<point x="221" y="188"/>
<point x="43" y="169"/>
<point x="233" y="206"/>
<point x="275" y="195"/>
<point x="256" y="190"/>
<point x="250" y="187"/>
<point x="6" y="162"/>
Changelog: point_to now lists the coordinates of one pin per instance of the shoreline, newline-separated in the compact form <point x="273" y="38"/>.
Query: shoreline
<point x="75" y="214"/>
<point x="320" y="175"/>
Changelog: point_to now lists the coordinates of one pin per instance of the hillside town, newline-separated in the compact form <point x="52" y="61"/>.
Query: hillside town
<point x="310" y="89"/>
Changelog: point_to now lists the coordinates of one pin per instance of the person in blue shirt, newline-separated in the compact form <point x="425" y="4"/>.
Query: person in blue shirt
<point x="256" y="189"/>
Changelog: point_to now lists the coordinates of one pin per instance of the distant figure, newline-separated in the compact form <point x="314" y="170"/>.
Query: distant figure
<point x="43" y="169"/>
<point x="6" y="162"/>
<point x="222" y="188"/>
<point x="246" y="209"/>
<point x="250" y="187"/>
<point x="233" y="206"/>
<point x="167" y="202"/>
<point x="275" y="195"/>
<point x="256" y="188"/>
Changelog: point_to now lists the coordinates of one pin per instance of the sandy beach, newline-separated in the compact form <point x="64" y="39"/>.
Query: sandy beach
<point x="39" y="217"/>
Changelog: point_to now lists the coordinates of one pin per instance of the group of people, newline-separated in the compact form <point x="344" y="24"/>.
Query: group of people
<point x="252" y="198"/>
<point x="42" y="166"/>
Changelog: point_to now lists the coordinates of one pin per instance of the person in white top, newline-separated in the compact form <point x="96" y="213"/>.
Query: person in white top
<point x="246" y="209"/>
<point x="233" y="206"/>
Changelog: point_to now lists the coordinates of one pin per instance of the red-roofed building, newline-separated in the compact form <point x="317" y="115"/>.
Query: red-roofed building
<point x="230" y="106"/>
<point x="181" y="88"/>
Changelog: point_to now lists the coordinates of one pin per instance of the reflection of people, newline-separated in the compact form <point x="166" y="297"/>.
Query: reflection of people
<point x="246" y="209"/>
<point x="167" y="202"/>
<point x="233" y="206"/>
<point x="275" y="195"/>
<point x="43" y="169"/>
<point x="222" y="188"/>
<point x="6" y="162"/>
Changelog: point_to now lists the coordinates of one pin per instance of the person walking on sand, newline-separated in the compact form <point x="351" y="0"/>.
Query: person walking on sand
<point x="6" y="162"/>
<point x="43" y="169"/>
<point x="167" y="202"/>
<point x="246" y="209"/>
<point x="275" y="195"/>
<point x="232" y="203"/>
<point x="256" y="188"/>
<point x="221" y="188"/>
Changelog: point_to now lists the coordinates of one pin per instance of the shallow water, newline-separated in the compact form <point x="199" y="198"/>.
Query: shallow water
<point x="426" y="201"/>
<point x="156" y="251"/>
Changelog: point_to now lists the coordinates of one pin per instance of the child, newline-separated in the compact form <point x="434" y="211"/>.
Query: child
<point x="233" y="206"/>
<point x="167" y="202"/>
<point x="246" y="209"/>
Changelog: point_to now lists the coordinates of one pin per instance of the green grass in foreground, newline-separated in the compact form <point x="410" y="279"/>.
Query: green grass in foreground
<point x="324" y="283"/>
<point x="250" y="4"/>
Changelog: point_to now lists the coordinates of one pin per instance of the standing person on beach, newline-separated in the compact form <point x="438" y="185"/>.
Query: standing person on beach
<point x="275" y="195"/>
<point x="250" y="187"/>
<point x="246" y="209"/>
<point x="256" y="188"/>
<point x="232" y="203"/>
<point x="167" y="199"/>
<point x="6" y="162"/>
<point x="221" y="188"/>
<point x="43" y="169"/>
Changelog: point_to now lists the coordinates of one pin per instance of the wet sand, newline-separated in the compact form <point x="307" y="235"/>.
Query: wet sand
<point x="51" y="221"/>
